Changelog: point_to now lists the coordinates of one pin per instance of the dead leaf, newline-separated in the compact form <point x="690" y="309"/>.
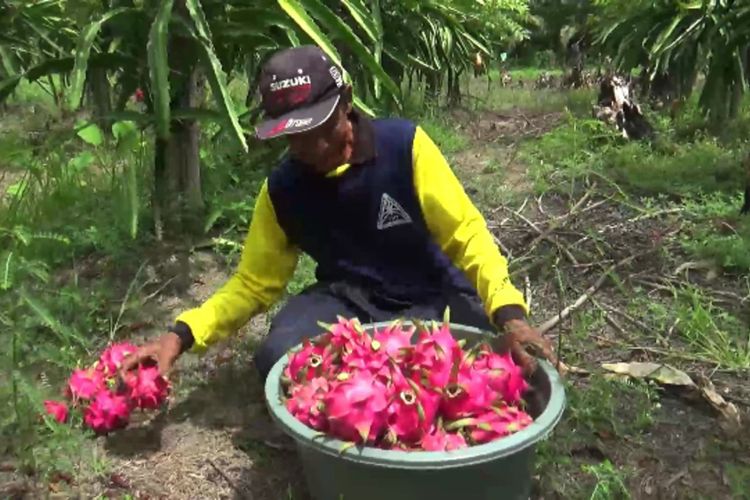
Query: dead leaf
<point x="565" y="369"/>
<point x="16" y="489"/>
<point x="7" y="467"/>
<point x="732" y="420"/>
<point x="663" y="374"/>
<point x="119" y="481"/>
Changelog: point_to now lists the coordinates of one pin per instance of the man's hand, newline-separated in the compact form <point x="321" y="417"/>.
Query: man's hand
<point x="165" y="350"/>
<point x="519" y="339"/>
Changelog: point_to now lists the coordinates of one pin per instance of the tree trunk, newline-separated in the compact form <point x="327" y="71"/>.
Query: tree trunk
<point x="433" y="88"/>
<point x="739" y="83"/>
<point x="178" y="201"/>
<point x="101" y="96"/>
<point x="177" y="174"/>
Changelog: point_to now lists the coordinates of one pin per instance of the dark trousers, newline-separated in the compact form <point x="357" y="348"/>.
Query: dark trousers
<point x="325" y="301"/>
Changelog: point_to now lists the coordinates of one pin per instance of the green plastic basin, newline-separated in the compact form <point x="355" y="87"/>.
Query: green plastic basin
<point x="494" y="471"/>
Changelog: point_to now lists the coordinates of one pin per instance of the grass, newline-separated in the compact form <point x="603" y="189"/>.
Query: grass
<point x="573" y="463"/>
<point x="703" y="176"/>
<point x="448" y="139"/>
<point x="66" y="198"/>
<point x="56" y="323"/>
<point x="609" y="481"/>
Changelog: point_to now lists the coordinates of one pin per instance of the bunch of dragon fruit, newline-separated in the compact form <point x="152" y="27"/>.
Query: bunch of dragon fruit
<point x="393" y="391"/>
<point x="104" y="400"/>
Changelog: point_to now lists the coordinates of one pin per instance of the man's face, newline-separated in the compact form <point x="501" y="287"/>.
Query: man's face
<point x="327" y="146"/>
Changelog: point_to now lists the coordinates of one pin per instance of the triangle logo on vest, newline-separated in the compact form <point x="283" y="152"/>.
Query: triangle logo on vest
<point x="391" y="213"/>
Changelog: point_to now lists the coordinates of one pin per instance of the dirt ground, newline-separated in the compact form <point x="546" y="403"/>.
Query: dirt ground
<point x="210" y="442"/>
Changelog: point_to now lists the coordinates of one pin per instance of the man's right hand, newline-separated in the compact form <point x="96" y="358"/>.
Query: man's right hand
<point x="165" y="350"/>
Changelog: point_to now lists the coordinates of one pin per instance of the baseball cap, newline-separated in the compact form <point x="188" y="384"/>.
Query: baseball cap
<point x="299" y="88"/>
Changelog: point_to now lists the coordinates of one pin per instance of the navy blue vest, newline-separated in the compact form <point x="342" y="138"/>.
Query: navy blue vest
<point x="366" y="226"/>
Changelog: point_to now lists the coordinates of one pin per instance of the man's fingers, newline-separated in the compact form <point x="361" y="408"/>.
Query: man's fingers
<point x="131" y="361"/>
<point x="548" y="351"/>
<point x="523" y="358"/>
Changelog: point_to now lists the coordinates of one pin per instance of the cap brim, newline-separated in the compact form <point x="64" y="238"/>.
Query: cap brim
<point x="298" y="120"/>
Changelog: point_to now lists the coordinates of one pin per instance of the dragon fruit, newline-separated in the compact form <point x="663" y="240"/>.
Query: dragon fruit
<point x="112" y="357"/>
<point x="440" y="440"/>
<point x="306" y="403"/>
<point x="381" y="390"/>
<point x="505" y="376"/>
<point x="436" y="355"/>
<point x="356" y="407"/>
<point x="147" y="388"/>
<point x="105" y="400"/>
<point x="309" y="362"/>
<point x="412" y="409"/>
<point x="85" y="384"/>
<point x="107" y="412"/>
<point x="396" y="341"/>
<point x="368" y="356"/>
<point x="345" y="334"/>
<point x="468" y="393"/>
<point x="494" y="424"/>
<point x="57" y="410"/>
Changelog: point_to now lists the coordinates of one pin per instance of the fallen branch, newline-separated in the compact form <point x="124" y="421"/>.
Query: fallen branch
<point x="632" y="220"/>
<point x="552" y="322"/>
<point x="243" y="494"/>
<point x="543" y="236"/>
<point x="557" y="222"/>
<point x="527" y="291"/>
<point x="609" y="319"/>
<point x="505" y="249"/>
<point x="640" y="324"/>
<point x="158" y="290"/>
<point x="671" y="286"/>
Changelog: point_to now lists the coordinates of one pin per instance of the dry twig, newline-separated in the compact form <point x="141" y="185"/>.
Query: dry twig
<point x="243" y="494"/>
<point x="552" y="322"/>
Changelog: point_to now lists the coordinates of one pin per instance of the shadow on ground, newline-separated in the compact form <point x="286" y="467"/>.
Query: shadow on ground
<point x="211" y="443"/>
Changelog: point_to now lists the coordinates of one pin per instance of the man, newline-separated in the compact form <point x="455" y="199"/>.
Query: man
<point x="375" y="204"/>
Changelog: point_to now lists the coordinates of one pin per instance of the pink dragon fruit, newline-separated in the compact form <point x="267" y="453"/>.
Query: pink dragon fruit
<point x="112" y="357"/>
<point x="313" y="360"/>
<point x="147" y="389"/>
<point x="306" y="403"/>
<point x="505" y="376"/>
<point x="107" y="412"/>
<point x="345" y="334"/>
<point x="494" y="424"/>
<point x="440" y="440"/>
<point x="356" y="407"/>
<point x="368" y="356"/>
<point x="382" y="391"/>
<point x="468" y="393"/>
<point x="436" y="355"/>
<point x="412" y="409"/>
<point x="57" y="410"/>
<point x="395" y="340"/>
<point x="84" y="384"/>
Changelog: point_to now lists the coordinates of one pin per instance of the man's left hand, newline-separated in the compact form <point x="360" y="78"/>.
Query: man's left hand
<point x="524" y="342"/>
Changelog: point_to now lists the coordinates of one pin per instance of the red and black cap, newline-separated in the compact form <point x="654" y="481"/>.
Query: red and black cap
<point x="299" y="88"/>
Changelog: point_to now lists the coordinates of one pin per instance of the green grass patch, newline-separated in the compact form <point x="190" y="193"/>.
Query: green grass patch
<point x="443" y="134"/>
<point x="704" y="176"/>
<point x="597" y="408"/>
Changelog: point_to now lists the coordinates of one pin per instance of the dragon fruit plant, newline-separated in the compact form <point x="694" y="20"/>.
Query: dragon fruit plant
<point x="382" y="390"/>
<point x="103" y="400"/>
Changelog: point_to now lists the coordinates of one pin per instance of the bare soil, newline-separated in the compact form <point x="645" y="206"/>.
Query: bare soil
<point x="210" y="442"/>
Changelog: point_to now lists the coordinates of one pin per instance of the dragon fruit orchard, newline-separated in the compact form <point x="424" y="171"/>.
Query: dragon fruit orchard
<point x="103" y="400"/>
<point x="404" y="388"/>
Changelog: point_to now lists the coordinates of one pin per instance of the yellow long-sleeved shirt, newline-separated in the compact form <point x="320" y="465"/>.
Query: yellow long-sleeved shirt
<point x="268" y="259"/>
